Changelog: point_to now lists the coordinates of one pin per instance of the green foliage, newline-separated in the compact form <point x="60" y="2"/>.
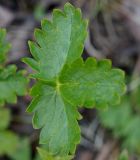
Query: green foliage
<point x="46" y="156"/>
<point x="23" y="151"/>
<point x="5" y="118"/>
<point x="13" y="146"/>
<point x="12" y="83"/>
<point x="59" y="41"/>
<point x="65" y="81"/>
<point x="135" y="96"/>
<point x="123" y="156"/>
<point x="4" y="46"/>
<point x="52" y="110"/>
<point x="39" y="12"/>
<point x="124" y="124"/>
<point x="132" y="132"/>
<point x="109" y="117"/>
<point x="86" y="83"/>
<point x="9" y="142"/>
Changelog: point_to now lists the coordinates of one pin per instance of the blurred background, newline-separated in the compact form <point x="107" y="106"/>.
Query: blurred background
<point x="114" y="33"/>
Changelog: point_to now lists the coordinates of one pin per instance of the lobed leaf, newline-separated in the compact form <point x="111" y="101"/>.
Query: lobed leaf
<point x="58" y="118"/>
<point x="64" y="81"/>
<point x="12" y="83"/>
<point x="86" y="83"/>
<point x="78" y="84"/>
<point x="59" y="41"/>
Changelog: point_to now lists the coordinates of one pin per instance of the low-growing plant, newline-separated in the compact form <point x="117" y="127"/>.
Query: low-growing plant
<point x="12" y="84"/>
<point x="65" y="82"/>
<point x="124" y="120"/>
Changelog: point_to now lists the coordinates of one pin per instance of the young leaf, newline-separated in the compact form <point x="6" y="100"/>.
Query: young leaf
<point x="9" y="142"/>
<point x="65" y="81"/>
<point x="5" y="118"/>
<point x="109" y="118"/>
<point x="4" y="46"/>
<point x="46" y="156"/>
<point x="123" y="156"/>
<point x="23" y="150"/>
<point x="59" y="41"/>
<point x="132" y="133"/>
<point x="12" y="83"/>
<point x="126" y="128"/>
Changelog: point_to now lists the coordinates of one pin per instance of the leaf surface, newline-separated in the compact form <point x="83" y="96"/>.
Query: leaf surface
<point x="91" y="83"/>
<point x="59" y="41"/>
<point x="46" y="156"/>
<point x="12" y="83"/>
<point x="65" y="81"/>
<point x="126" y="128"/>
<point x="109" y="117"/>
<point x="78" y="84"/>
<point x="5" y="118"/>
<point x="4" y="46"/>
<point x="23" y="151"/>
<point x="9" y="142"/>
<point x="58" y="118"/>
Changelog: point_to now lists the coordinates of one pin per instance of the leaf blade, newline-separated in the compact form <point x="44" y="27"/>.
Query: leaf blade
<point x="60" y="41"/>
<point x="86" y="83"/>
<point x="51" y="110"/>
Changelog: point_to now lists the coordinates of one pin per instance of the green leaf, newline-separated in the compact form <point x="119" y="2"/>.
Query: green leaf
<point x="132" y="132"/>
<point x="109" y="117"/>
<point x="23" y="151"/>
<point x="59" y="41"/>
<point x="4" y="46"/>
<point x="123" y="156"/>
<point x="46" y="156"/>
<point x="58" y="118"/>
<point x="86" y="84"/>
<point x="12" y="83"/>
<point x="65" y="81"/>
<point x="54" y="106"/>
<point x="5" y="118"/>
<point x="127" y="128"/>
<point x="9" y="142"/>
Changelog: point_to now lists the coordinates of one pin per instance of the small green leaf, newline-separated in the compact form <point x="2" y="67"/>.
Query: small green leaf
<point x="132" y="135"/>
<point x="123" y="156"/>
<point x="126" y="128"/>
<point x="109" y="117"/>
<point x="12" y="83"/>
<point x="4" y="46"/>
<point x="23" y="151"/>
<point x="5" y="118"/>
<point x="9" y="142"/>
<point x="46" y="156"/>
